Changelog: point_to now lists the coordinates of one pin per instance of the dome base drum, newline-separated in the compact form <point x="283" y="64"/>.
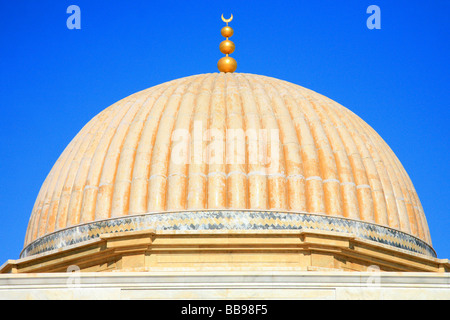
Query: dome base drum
<point x="224" y="221"/>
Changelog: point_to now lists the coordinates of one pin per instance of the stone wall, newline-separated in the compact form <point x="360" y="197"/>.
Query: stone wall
<point x="265" y="284"/>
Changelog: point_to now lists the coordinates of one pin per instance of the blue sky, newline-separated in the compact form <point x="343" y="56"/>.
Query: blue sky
<point x="54" y="80"/>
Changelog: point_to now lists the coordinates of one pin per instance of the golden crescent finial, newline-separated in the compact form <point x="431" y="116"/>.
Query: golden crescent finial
<point x="227" y="63"/>
<point x="227" y="20"/>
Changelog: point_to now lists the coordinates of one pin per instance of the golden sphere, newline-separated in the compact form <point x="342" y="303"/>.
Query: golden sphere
<point x="227" y="47"/>
<point x="227" y="32"/>
<point x="227" y="64"/>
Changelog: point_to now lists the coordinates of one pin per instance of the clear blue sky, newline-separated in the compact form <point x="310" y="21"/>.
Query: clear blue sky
<point x="54" y="80"/>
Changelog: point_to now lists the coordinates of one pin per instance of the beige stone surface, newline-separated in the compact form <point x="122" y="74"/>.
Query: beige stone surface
<point x="263" y="284"/>
<point x="329" y="160"/>
<point x="148" y="250"/>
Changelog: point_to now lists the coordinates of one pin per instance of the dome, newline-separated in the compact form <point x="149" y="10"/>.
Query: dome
<point x="149" y="160"/>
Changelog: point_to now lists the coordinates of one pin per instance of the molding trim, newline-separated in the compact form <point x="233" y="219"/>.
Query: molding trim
<point x="224" y="221"/>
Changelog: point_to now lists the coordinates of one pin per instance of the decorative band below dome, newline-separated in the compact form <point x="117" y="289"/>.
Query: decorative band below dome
<point x="222" y="221"/>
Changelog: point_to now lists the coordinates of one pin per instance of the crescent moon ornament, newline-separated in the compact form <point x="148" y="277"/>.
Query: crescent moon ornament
<point x="227" y="20"/>
<point x="227" y="64"/>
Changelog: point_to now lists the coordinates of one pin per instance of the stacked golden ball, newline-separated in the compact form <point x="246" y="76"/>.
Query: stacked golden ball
<point x="227" y="47"/>
<point x="227" y="31"/>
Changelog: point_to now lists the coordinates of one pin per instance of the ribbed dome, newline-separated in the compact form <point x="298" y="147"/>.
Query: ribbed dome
<point x="124" y="161"/>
